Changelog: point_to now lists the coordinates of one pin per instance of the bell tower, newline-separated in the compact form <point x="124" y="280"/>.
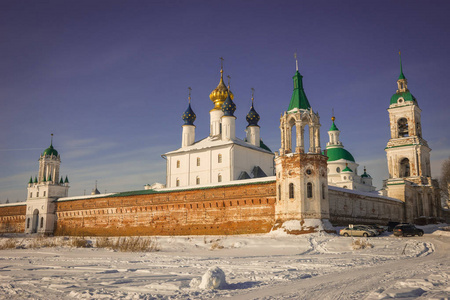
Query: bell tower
<point x="408" y="154"/>
<point x="43" y="191"/>
<point x="301" y="172"/>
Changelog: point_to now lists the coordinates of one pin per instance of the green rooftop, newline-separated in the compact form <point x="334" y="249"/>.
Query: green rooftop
<point x="339" y="153"/>
<point x="298" y="99"/>
<point x="407" y="97"/>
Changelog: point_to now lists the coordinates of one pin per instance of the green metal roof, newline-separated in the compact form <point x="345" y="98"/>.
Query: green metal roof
<point x="347" y="169"/>
<point x="401" y="76"/>
<point x="264" y="146"/>
<point x="298" y="99"/>
<point x="50" y="151"/>
<point x="365" y="175"/>
<point x="333" y="127"/>
<point x="339" y="153"/>
<point x="407" y="96"/>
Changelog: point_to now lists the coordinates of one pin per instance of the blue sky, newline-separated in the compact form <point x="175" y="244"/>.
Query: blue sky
<point x="109" y="79"/>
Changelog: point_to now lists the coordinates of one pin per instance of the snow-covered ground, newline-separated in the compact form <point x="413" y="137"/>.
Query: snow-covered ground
<point x="270" y="266"/>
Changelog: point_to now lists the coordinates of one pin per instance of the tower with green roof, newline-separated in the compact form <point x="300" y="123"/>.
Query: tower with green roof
<point x="342" y="169"/>
<point x="408" y="155"/>
<point x="46" y="188"/>
<point x="301" y="177"/>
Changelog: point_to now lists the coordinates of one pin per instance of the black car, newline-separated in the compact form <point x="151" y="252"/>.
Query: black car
<point x="407" y="229"/>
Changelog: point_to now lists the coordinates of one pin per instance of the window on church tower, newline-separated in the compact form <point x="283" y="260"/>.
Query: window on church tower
<point x="338" y="170"/>
<point x="197" y="180"/>
<point x="279" y="192"/>
<point x="309" y="191"/>
<point x="44" y="194"/>
<point x="42" y="222"/>
<point x="37" y="194"/>
<point x="219" y="158"/>
<point x="405" y="168"/>
<point x="28" y="223"/>
<point x="219" y="178"/>
<point x="178" y="182"/>
<point x="402" y="127"/>
<point x="323" y="191"/>
<point x="31" y="195"/>
<point x="291" y="191"/>
<point x="178" y="163"/>
<point x="198" y="161"/>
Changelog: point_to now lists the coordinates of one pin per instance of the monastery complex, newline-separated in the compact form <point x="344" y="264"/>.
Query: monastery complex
<point x="221" y="184"/>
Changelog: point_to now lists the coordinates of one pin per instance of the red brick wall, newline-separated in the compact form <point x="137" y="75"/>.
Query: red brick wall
<point x="12" y="218"/>
<point x="224" y="210"/>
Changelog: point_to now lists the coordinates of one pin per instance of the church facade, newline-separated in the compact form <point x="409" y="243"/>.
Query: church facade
<point x="224" y="185"/>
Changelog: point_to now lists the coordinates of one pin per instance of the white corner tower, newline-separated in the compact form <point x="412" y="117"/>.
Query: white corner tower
<point x="43" y="191"/>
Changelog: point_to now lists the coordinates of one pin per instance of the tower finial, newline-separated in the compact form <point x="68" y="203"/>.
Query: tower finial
<point x="51" y="139"/>
<point x="221" y="64"/>
<point x="296" y="61"/>
<point x="189" y="97"/>
<point x="253" y="94"/>
<point x="401" y="76"/>
<point x="332" y="115"/>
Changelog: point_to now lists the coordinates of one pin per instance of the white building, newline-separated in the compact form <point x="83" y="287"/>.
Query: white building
<point x="342" y="168"/>
<point x="220" y="157"/>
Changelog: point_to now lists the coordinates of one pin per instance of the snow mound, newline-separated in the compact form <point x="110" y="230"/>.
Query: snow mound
<point x="304" y="226"/>
<point x="213" y="279"/>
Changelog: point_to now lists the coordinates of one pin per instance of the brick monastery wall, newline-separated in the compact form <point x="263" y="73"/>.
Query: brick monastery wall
<point x="12" y="218"/>
<point x="350" y="208"/>
<point x="235" y="209"/>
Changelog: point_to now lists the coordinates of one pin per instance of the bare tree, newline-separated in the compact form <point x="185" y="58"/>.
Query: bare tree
<point x="444" y="181"/>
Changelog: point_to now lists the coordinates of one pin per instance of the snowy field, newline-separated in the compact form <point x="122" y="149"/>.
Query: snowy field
<point x="270" y="266"/>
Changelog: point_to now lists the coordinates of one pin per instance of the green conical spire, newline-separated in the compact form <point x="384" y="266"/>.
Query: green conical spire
<point x="31" y="180"/>
<point x="67" y="180"/>
<point x="35" y="179"/>
<point x="401" y="76"/>
<point x="44" y="179"/>
<point x="298" y="99"/>
<point x="61" y="181"/>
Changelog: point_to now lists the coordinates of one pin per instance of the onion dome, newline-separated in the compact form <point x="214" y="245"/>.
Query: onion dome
<point x="339" y="153"/>
<point x="50" y="151"/>
<point x="252" y="116"/>
<point x="365" y="175"/>
<point x="189" y="115"/>
<point x="220" y="93"/>
<point x="333" y="126"/>
<point x="228" y="107"/>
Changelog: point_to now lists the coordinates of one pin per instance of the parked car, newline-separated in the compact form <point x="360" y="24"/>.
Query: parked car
<point x="391" y="225"/>
<point x="407" y="229"/>
<point x="356" y="231"/>
<point x="369" y="227"/>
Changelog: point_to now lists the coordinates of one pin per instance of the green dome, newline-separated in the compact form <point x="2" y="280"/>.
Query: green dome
<point x="50" y="151"/>
<point x="339" y="153"/>
<point x="333" y="127"/>
<point x="407" y="96"/>
<point x="347" y="169"/>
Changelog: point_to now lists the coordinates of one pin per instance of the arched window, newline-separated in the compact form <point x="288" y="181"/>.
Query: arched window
<point x="279" y="192"/>
<point x="404" y="168"/>
<point x="309" y="191"/>
<point x="178" y="182"/>
<point x="197" y="180"/>
<point x="31" y="195"/>
<point x="402" y="127"/>
<point x="28" y="223"/>
<point x="219" y="158"/>
<point x="344" y="186"/>
<point x="323" y="191"/>
<point x="198" y="161"/>
<point x="291" y="191"/>
<point x="42" y="222"/>
<point x="178" y="163"/>
<point x="219" y="178"/>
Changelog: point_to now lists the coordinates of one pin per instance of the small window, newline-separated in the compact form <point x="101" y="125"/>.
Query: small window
<point x="178" y="182"/>
<point x="44" y="194"/>
<point x="31" y="195"/>
<point x="219" y="178"/>
<point x="28" y="223"/>
<point x="42" y="222"/>
<point x="198" y="161"/>
<point x="178" y="163"/>
<point x="279" y="192"/>
<point x="338" y="170"/>
<point x="344" y="186"/>
<point x="291" y="191"/>
<point x="219" y="158"/>
<point x="197" y="180"/>
<point x="37" y="194"/>
<point x="309" y="191"/>
<point x="309" y="172"/>
<point x="323" y="191"/>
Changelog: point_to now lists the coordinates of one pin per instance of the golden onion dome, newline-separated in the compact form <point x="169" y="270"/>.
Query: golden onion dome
<point x="220" y="93"/>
